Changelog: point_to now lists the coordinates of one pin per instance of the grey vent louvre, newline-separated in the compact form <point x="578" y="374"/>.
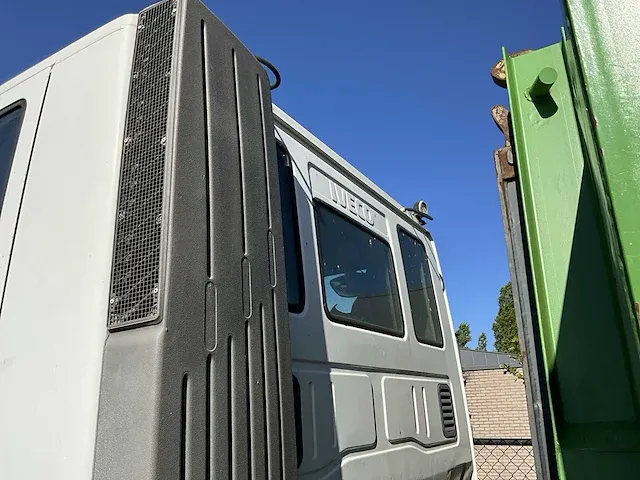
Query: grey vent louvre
<point x="135" y="280"/>
<point x="446" y="410"/>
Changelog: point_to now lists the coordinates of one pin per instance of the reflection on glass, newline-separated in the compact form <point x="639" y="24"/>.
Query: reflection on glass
<point x="357" y="272"/>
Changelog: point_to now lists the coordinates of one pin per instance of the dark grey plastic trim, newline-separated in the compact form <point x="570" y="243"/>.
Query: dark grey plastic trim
<point x="207" y="391"/>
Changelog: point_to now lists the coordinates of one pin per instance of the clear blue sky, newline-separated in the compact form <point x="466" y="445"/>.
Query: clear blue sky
<point x="400" y="89"/>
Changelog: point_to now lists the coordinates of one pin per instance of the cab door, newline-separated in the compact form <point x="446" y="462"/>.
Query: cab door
<point x="20" y="106"/>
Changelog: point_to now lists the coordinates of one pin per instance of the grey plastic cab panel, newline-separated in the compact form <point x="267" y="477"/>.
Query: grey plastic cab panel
<point x="196" y="380"/>
<point x="394" y="426"/>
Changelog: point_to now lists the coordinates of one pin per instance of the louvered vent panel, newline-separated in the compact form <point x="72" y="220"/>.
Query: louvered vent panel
<point x="446" y="410"/>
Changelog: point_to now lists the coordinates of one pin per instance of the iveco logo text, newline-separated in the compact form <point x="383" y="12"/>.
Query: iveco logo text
<point x="350" y="202"/>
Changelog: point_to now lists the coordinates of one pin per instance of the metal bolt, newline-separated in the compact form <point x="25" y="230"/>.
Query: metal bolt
<point x="543" y="83"/>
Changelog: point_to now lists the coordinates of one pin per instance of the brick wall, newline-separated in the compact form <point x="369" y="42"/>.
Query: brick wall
<point x="497" y="404"/>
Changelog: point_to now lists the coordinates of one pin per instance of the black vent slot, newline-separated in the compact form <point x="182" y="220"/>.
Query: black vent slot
<point x="297" y="402"/>
<point x="446" y="411"/>
<point x="135" y="278"/>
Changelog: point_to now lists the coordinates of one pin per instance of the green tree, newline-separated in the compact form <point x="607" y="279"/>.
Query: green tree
<point x="463" y="334"/>
<point x="482" y="342"/>
<point x="505" y="328"/>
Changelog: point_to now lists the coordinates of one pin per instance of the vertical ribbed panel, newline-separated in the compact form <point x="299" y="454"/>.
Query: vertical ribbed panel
<point x="248" y="441"/>
<point x="225" y="224"/>
<point x="211" y="383"/>
<point x="135" y="281"/>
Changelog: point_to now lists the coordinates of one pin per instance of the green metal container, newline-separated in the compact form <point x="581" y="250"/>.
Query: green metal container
<point x="569" y="178"/>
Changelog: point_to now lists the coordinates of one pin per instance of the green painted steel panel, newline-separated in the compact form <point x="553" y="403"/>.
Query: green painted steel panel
<point x="606" y="36"/>
<point x="577" y="276"/>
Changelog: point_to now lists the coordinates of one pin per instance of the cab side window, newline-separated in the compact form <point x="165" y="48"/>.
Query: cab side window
<point x="358" y="277"/>
<point x="291" y="234"/>
<point x="422" y="297"/>
<point x="10" y="122"/>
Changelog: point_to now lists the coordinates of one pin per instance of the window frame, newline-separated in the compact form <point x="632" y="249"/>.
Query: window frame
<point x="440" y="345"/>
<point x="297" y="307"/>
<point x="344" y="319"/>
<point x="22" y="105"/>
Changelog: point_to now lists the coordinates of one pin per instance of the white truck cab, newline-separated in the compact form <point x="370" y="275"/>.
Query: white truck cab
<point x="195" y="287"/>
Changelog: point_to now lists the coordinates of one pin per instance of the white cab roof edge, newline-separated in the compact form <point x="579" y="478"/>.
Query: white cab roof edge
<point x="284" y="121"/>
<point x="80" y="44"/>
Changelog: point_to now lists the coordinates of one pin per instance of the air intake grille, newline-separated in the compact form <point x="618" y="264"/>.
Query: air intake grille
<point x="446" y="409"/>
<point x="136" y="264"/>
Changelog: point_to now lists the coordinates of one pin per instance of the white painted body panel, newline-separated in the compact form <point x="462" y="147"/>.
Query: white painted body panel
<point x="34" y="90"/>
<point x="53" y="316"/>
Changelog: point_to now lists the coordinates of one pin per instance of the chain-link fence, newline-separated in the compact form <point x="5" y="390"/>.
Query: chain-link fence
<point x="504" y="459"/>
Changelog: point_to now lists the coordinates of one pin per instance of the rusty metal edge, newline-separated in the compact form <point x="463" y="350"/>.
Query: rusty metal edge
<point x="507" y="181"/>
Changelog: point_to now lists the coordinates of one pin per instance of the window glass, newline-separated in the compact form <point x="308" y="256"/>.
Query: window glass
<point x="422" y="298"/>
<point x="357" y="273"/>
<point x="291" y="235"/>
<point x="10" y="122"/>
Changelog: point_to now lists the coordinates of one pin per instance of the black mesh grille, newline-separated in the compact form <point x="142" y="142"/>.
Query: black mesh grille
<point x="504" y="459"/>
<point x="446" y="409"/>
<point x="136" y="263"/>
